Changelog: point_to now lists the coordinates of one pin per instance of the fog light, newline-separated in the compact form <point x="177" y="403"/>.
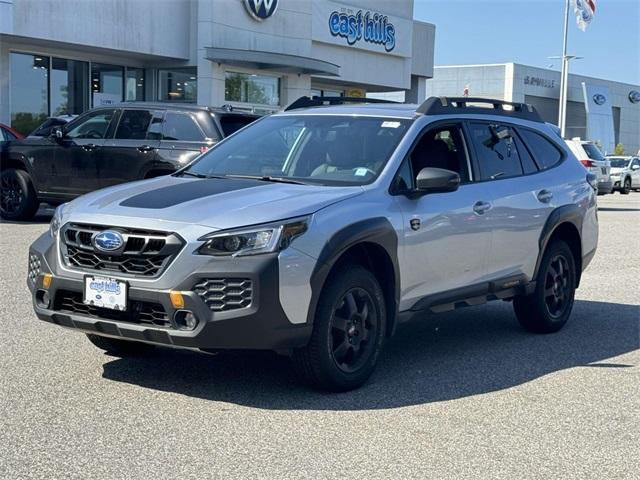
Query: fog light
<point x="46" y="280"/>
<point x="43" y="300"/>
<point x="177" y="300"/>
<point x="185" y="320"/>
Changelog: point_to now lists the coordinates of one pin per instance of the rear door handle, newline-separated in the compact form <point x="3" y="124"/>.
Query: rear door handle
<point x="89" y="147"/>
<point x="481" y="207"/>
<point x="544" y="196"/>
<point x="145" y="148"/>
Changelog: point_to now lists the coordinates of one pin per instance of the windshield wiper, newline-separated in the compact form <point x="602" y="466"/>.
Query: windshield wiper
<point x="198" y="175"/>
<point x="268" y="178"/>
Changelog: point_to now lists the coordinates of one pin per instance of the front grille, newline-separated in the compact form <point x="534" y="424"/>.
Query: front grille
<point x="34" y="268"/>
<point x="221" y="294"/>
<point x="144" y="253"/>
<point x="146" y="313"/>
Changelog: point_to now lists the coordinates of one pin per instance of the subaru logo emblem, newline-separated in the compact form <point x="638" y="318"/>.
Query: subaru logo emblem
<point x="261" y="9"/>
<point x="634" y="96"/>
<point x="599" y="99"/>
<point x="108" y="241"/>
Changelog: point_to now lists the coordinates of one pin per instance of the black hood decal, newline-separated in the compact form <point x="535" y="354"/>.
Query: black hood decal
<point x="186" y="191"/>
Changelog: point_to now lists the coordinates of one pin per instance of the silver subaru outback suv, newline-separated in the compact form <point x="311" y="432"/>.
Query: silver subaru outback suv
<point x="315" y="231"/>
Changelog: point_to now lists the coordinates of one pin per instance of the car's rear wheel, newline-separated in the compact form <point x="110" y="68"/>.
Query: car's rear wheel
<point x="548" y="308"/>
<point x="348" y="332"/>
<point x="626" y="188"/>
<point x="120" y="348"/>
<point x="18" y="200"/>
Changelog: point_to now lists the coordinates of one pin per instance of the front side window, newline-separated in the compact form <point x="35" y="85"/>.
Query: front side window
<point x="133" y="124"/>
<point x="181" y="127"/>
<point x="93" y="125"/>
<point x="441" y="147"/>
<point x="496" y="151"/>
<point x="248" y="88"/>
<point x="322" y="149"/>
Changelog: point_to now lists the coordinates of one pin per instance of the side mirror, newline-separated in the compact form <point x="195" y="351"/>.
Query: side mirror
<point x="435" y="180"/>
<point x="56" y="133"/>
<point x="635" y="167"/>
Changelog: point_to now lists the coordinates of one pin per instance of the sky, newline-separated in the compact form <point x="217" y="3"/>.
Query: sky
<point x="529" y="31"/>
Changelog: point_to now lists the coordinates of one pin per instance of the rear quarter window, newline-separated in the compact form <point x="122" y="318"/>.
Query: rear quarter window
<point x="233" y="123"/>
<point x="181" y="127"/>
<point x="593" y="152"/>
<point x="545" y="153"/>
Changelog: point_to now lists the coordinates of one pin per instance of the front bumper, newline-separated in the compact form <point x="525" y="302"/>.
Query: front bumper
<point x="261" y="325"/>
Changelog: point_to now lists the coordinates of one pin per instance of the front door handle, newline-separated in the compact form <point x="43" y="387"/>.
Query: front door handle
<point x="89" y="147"/>
<point x="145" y="148"/>
<point x="544" y="196"/>
<point x="481" y="207"/>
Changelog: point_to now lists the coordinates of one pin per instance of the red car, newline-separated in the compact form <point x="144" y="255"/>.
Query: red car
<point x="8" y="133"/>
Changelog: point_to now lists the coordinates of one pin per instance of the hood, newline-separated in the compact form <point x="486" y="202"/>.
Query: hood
<point x="617" y="170"/>
<point x="215" y="203"/>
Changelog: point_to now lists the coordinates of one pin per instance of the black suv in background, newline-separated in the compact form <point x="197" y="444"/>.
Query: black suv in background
<point x="106" y="146"/>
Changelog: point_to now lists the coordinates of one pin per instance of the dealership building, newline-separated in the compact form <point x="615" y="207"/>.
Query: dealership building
<point x="541" y="88"/>
<point x="61" y="58"/>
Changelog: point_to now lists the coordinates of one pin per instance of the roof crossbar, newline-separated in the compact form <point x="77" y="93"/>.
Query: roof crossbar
<point x="316" y="101"/>
<point x="460" y="105"/>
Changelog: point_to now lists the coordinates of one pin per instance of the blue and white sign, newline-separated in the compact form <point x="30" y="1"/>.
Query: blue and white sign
<point x="367" y="26"/>
<point x="362" y="28"/>
<point x="597" y="102"/>
<point x="634" y="96"/>
<point x="261" y="9"/>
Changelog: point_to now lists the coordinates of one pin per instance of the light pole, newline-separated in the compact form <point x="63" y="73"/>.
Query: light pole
<point x="564" y="88"/>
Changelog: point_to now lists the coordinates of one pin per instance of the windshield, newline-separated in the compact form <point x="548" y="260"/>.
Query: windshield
<point x="593" y="152"/>
<point x="620" y="162"/>
<point x="318" y="149"/>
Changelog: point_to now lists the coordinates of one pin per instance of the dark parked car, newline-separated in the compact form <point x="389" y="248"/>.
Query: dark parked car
<point x="106" y="146"/>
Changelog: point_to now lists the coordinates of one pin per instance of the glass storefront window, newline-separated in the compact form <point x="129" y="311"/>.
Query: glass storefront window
<point x="252" y="88"/>
<point x="29" y="91"/>
<point x="69" y="87"/>
<point x="134" y="84"/>
<point x="178" y="84"/>
<point x="107" y="83"/>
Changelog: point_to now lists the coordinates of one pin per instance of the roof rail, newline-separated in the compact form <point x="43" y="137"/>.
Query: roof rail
<point x="315" y="101"/>
<point x="458" y="105"/>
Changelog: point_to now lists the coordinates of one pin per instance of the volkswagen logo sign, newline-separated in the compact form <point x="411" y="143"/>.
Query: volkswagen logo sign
<point x="261" y="9"/>
<point x="108" y="241"/>
<point x="634" y="96"/>
<point x="599" y="99"/>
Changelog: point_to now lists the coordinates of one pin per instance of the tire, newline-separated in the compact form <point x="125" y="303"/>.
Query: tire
<point x="348" y="332"/>
<point x="626" y="189"/>
<point x="18" y="200"/>
<point x="548" y="308"/>
<point x="120" y="348"/>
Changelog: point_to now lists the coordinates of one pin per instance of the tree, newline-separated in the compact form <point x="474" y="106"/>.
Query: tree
<point x="619" y="150"/>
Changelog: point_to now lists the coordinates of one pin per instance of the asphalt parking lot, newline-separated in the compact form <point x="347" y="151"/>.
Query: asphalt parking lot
<point x="463" y="395"/>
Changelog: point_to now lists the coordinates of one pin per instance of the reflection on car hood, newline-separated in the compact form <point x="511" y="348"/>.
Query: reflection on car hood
<point x="216" y="203"/>
<point x="616" y="170"/>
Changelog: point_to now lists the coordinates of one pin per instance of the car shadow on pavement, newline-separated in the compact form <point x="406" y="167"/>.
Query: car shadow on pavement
<point x="43" y="216"/>
<point x="455" y="355"/>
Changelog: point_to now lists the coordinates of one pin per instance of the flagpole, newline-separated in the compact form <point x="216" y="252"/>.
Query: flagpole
<point x="564" y="76"/>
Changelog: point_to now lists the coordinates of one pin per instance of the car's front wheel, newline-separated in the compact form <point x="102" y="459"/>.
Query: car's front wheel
<point x="120" y="348"/>
<point x="18" y="200"/>
<point x="348" y="332"/>
<point x="548" y="308"/>
<point x="626" y="188"/>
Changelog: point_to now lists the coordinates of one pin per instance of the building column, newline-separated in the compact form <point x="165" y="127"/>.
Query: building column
<point x="210" y="83"/>
<point x="418" y="91"/>
<point x="5" y="72"/>
<point x="293" y="87"/>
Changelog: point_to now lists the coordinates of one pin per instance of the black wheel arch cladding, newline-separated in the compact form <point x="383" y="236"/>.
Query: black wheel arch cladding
<point x="566" y="214"/>
<point x="377" y="231"/>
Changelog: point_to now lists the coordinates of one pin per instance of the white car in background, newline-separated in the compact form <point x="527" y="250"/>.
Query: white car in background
<point x="594" y="161"/>
<point x="625" y="173"/>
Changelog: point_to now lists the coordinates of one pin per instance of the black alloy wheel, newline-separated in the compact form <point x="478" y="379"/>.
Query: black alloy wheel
<point x="556" y="289"/>
<point x="18" y="200"/>
<point x="11" y="195"/>
<point x="626" y="189"/>
<point x="353" y="330"/>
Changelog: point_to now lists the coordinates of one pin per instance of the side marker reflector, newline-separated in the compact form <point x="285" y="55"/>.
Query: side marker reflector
<point x="177" y="300"/>
<point x="46" y="280"/>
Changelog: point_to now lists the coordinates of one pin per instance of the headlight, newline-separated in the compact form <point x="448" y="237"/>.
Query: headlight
<point x="56" y="221"/>
<point x="254" y="240"/>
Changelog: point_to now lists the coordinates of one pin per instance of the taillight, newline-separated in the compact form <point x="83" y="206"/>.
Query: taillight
<point x="588" y="163"/>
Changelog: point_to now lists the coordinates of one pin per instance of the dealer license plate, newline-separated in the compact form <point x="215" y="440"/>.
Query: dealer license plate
<point x="105" y="292"/>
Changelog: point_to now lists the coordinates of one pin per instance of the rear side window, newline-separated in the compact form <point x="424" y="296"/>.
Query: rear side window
<point x="496" y="151"/>
<point x="593" y="152"/>
<point x="133" y="124"/>
<point x="544" y="152"/>
<point x="233" y="123"/>
<point x="180" y="126"/>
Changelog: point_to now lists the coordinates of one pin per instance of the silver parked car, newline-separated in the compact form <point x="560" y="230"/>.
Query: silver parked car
<point x="315" y="231"/>
<point x="625" y="173"/>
